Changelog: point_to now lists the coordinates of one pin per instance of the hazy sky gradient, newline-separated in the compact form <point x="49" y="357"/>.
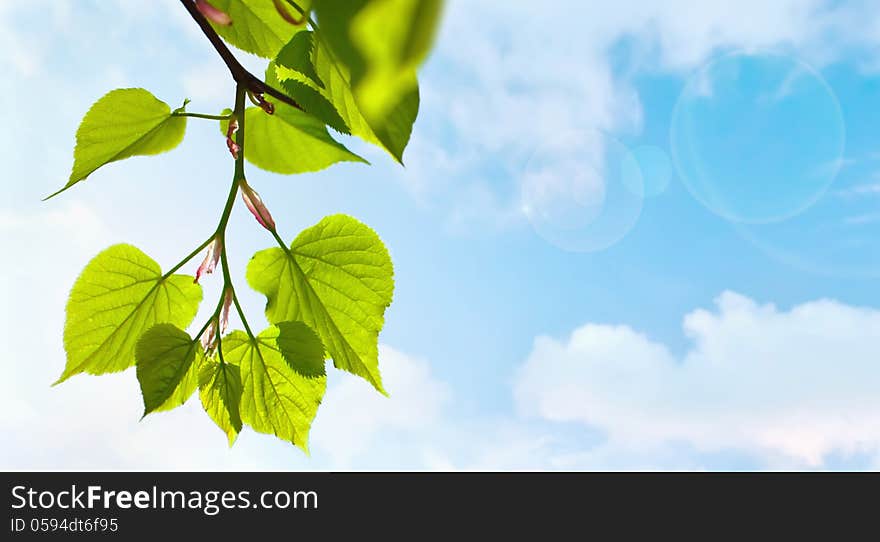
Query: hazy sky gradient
<point x="703" y="337"/>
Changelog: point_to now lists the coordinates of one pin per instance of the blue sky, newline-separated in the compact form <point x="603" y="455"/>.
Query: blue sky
<point x="553" y="309"/>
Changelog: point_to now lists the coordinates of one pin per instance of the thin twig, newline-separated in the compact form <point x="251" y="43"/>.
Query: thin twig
<point x="239" y="73"/>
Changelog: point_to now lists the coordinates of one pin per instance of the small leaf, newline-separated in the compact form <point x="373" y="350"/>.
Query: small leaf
<point x="164" y="356"/>
<point x="297" y="56"/>
<point x="290" y="141"/>
<point x="337" y="278"/>
<point x="275" y="399"/>
<point x="124" y="123"/>
<point x="120" y="295"/>
<point x="256" y="27"/>
<point x="308" y="97"/>
<point x="220" y="391"/>
<point x="187" y="386"/>
<point x="315" y="104"/>
<point x="302" y="349"/>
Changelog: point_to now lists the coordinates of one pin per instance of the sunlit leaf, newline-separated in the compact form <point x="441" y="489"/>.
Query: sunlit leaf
<point x="372" y="49"/>
<point x="220" y="391"/>
<point x="297" y="56"/>
<point x="165" y="355"/>
<point x="256" y="27"/>
<point x="337" y="278"/>
<point x="120" y="295"/>
<point x="275" y="399"/>
<point x="123" y="123"/>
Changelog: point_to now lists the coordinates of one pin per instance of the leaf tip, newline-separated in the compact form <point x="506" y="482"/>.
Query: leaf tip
<point x="304" y="446"/>
<point x="377" y="383"/>
<point x="57" y="192"/>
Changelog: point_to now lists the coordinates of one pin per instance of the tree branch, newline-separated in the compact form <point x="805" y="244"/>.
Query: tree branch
<point x="243" y="77"/>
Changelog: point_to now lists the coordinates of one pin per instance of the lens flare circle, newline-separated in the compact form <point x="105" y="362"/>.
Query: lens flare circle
<point x="582" y="191"/>
<point x="757" y="137"/>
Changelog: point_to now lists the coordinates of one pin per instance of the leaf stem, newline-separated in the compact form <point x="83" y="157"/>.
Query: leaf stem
<point x="302" y="12"/>
<point x="237" y="178"/>
<point x="189" y="257"/>
<point x="238" y="175"/>
<point x="200" y="115"/>
<point x="280" y="241"/>
<point x="202" y="331"/>
<point x="220" y="232"/>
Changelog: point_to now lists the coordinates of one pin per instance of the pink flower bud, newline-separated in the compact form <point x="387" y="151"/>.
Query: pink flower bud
<point x="224" y="314"/>
<point x="266" y="106"/>
<point x="209" y="339"/>
<point x="230" y="143"/>
<point x="213" y="14"/>
<point x="212" y="256"/>
<point x="256" y="206"/>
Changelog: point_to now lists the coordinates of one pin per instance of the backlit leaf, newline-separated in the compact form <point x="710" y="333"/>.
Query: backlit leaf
<point x="165" y="355"/>
<point x="275" y="399"/>
<point x="337" y="278"/>
<point x="297" y="56"/>
<point x="123" y="123"/>
<point x="290" y="141"/>
<point x="118" y="297"/>
<point x="220" y="391"/>
<point x="256" y="27"/>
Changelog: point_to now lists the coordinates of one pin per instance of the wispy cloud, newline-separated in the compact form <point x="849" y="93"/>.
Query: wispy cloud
<point x="860" y="220"/>
<point x="502" y="112"/>
<point x="866" y="189"/>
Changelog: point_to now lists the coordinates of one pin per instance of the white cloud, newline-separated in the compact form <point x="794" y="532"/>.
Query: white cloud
<point x="799" y="384"/>
<point x="353" y="414"/>
<point x="514" y="75"/>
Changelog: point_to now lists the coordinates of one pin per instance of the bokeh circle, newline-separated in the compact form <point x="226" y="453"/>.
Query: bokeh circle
<point x="757" y="137"/>
<point x="582" y="190"/>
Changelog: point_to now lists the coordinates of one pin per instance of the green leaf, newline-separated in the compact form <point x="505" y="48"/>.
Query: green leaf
<point x="220" y="390"/>
<point x="337" y="278"/>
<point x="165" y="355"/>
<point x="256" y="27"/>
<point x="275" y="399"/>
<point x="118" y="297"/>
<point x="187" y="386"/>
<point x="302" y="349"/>
<point x="297" y="56"/>
<point x="375" y="47"/>
<point x="290" y="141"/>
<point x="307" y="96"/>
<point x="123" y="123"/>
<point x="315" y="104"/>
<point x="393" y="37"/>
<point x="390" y="133"/>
